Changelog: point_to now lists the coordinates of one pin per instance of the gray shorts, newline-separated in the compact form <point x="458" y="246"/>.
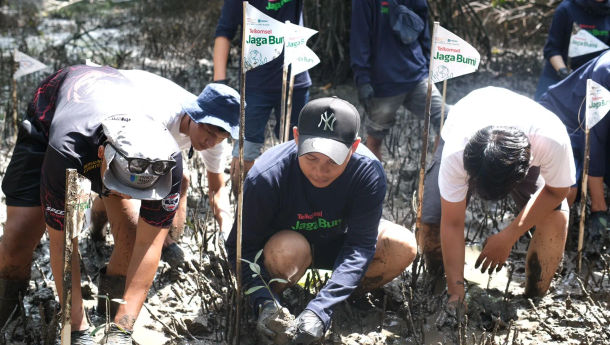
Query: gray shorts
<point x="382" y="113"/>
<point x="521" y="194"/>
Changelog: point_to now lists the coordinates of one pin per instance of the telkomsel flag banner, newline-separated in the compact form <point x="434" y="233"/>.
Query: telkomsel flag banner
<point x="27" y="64"/>
<point x="264" y="38"/>
<point x="452" y="56"/>
<point x="296" y="52"/>
<point x="583" y="42"/>
<point x="598" y="103"/>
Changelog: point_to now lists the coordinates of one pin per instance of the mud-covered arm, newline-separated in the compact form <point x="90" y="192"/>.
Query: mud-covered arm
<point x="559" y="35"/>
<point x="358" y="249"/>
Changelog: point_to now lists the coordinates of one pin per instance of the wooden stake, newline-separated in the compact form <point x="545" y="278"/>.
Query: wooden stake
<point x="424" y="150"/>
<point x="289" y="108"/>
<point x="283" y="104"/>
<point x="77" y="195"/>
<point x="443" y="106"/>
<point x="583" y="199"/>
<point x="240" y="182"/>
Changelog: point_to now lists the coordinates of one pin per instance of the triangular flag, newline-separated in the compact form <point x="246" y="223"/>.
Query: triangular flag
<point x="27" y="64"/>
<point x="583" y="42"/>
<point x="452" y="56"/>
<point x="264" y="38"/>
<point x="598" y="103"/>
<point x="296" y="52"/>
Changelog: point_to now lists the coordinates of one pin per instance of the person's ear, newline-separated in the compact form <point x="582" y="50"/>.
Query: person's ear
<point x="355" y="144"/>
<point x="100" y="152"/>
<point x="295" y="133"/>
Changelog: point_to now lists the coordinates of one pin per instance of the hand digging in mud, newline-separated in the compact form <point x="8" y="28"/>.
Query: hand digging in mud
<point x="496" y="249"/>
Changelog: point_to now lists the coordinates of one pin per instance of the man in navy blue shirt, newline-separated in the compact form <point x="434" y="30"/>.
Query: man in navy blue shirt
<point x="390" y="71"/>
<point x="591" y="15"/>
<point x="566" y="100"/>
<point x="264" y="83"/>
<point x="317" y="202"/>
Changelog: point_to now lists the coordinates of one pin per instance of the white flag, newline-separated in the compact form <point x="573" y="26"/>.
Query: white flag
<point x="27" y="64"/>
<point x="452" y="56"/>
<point x="296" y="52"/>
<point x="264" y="38"/>
<point x="598" y="103"/>
<point x="583" y="42"/>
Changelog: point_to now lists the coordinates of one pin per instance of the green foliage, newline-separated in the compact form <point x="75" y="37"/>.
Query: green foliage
<point x="256" y="268"/>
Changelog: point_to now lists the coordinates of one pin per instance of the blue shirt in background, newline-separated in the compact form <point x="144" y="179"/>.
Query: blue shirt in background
<point x="267" y="77"/>
<point x="379" y="57"/>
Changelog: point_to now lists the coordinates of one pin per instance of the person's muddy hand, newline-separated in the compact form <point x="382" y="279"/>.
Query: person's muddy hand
<point x="496" y="249"/>
<point x="309" y="328"/>
<point x="268" y="311"/>
<point x="452" y="312"/>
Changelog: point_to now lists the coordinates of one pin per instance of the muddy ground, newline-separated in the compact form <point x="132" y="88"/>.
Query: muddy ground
<point x="194" y="304"/>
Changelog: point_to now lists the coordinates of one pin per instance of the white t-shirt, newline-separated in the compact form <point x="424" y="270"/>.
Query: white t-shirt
<point x="166" y="100"/>
<point x="493" y="106"/>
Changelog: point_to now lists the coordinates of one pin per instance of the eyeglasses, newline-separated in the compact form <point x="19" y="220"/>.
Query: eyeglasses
<point x="137" y="165"/>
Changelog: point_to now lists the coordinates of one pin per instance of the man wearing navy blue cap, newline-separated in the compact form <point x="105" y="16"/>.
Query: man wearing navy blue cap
<point x="78" y="92"/>
<point x="317" y="201"/>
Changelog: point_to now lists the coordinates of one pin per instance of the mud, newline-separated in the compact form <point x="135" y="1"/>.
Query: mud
<point x="195" y="303"/>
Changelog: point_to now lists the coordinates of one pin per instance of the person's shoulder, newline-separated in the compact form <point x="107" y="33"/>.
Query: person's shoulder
<point x="274" y="162"/>
<point x="363" y="158"/>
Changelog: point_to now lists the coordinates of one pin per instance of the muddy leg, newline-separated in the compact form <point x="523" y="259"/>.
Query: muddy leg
<point x="396" y="250"/>
<point x="287" y="255"/>
<point x="429" y="241"/>
<point x="545" y="253"/>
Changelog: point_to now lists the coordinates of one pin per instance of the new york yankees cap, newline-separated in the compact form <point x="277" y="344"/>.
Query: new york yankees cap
<point x="329" y="126"/>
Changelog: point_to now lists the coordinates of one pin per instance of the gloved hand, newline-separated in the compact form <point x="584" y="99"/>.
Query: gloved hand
<point x="365" y="94"/>
<point x="309" y="328"/>
<point x="563" y="72"/>
<point x="267" y="313"/>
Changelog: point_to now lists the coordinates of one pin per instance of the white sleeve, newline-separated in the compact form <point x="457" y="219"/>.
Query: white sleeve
<point x="214" y="158"/>
<point x="452" y="177"/>
<point x="555" y="159"/>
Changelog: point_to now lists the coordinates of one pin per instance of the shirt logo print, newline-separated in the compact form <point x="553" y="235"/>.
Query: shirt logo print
<point x="328" y="120"/>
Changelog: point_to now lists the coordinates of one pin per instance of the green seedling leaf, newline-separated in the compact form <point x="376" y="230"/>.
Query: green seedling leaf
<point x="119" y="301"/>
<point x="258" y="255"/>
<point x="253" y="289"/>
<point x="279" y="280"/>
<point x="248" y="261"/>
<point x="604" y="222"/>
<point x="97" y="329"/>
<point x="255" y="268"/>
<point x="254" y="275"/>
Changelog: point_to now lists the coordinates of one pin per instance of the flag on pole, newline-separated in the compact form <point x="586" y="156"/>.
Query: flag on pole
<point x="598" y="103"/>
<point x="583" y="42"/>
<point x="264" y="38"/>
<point x="27" y="64"/>
<point x="451" y="56"/>
<point x="296" y="52"/>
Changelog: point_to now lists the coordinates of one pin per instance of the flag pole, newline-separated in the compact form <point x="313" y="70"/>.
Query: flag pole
<point x="10" y="123"/>
<point x="583" y="197"/>
<point x="240" y="182"/>
<point x="424" y="151"/>
<point x="443" y="105"/>
<point x="283" y="107"/>
<point x="289" y="106"/>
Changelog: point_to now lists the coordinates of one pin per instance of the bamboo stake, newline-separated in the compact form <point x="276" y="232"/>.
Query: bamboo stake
<point x="583" y="199"/>
<point x="424" y="150"/>
<point x="289" y="107"/>
<point x="77" y="190"/>
<point x="443" y="106"/>
<point x="281" y="131"/>
<point x="240" y="182"/>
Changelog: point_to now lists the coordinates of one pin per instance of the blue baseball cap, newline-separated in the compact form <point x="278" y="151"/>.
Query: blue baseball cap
<point x="217" y="105"/>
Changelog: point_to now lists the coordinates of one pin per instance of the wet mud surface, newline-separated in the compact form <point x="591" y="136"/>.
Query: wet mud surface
<point x="196" y="303"/>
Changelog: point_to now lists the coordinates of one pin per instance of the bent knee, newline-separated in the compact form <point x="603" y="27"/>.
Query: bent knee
<point x="397" y="243"/>
<point x="287" y="250"/>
